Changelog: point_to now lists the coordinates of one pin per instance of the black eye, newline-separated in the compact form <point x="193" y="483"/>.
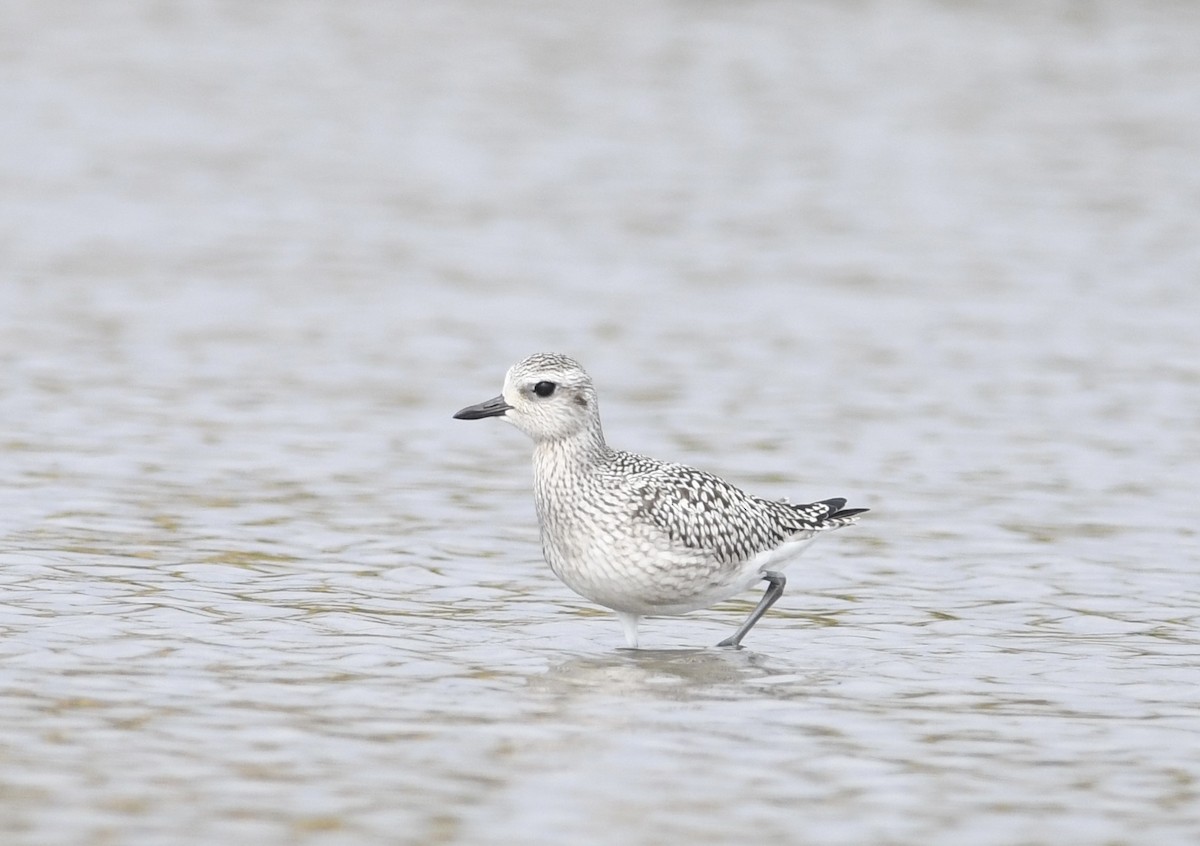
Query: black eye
<point x="544" y="389"/>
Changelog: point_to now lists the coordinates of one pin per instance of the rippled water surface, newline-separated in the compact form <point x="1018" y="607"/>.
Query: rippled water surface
<point x="258" y="587"/>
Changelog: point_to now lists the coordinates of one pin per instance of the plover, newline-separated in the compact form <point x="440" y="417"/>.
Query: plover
<point x="641" y="536"/>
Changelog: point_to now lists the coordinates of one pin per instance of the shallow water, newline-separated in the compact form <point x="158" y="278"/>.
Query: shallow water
<point x="258" y="587"/>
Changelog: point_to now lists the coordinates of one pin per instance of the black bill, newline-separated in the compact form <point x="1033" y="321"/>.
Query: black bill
<point x="495" y="407"/>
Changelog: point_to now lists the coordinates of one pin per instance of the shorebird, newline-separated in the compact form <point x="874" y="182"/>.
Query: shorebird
<point x="640" y="536"/>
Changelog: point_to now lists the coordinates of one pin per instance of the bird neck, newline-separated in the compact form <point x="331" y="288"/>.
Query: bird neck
<point x="571" y="454"/>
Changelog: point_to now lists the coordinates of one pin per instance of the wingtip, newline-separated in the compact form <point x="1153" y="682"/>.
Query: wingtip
<point x="849" y="512"/>
<point x="836" y="510"/>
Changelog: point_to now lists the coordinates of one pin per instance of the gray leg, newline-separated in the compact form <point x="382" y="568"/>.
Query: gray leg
<point x="775" y="581"/>
<point x="629" y="622"/>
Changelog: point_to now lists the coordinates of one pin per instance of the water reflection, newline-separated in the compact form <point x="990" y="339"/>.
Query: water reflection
<point x="662" y="673"/>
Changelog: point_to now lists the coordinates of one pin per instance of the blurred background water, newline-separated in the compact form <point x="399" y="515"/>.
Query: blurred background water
<point x="940" y="258"/>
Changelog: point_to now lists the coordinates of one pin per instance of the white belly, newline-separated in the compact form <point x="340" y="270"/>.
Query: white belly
<point x="645" y="578"/>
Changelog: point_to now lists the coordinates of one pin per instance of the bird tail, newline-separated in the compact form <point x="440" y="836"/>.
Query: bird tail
<point x="837" y="516"/>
